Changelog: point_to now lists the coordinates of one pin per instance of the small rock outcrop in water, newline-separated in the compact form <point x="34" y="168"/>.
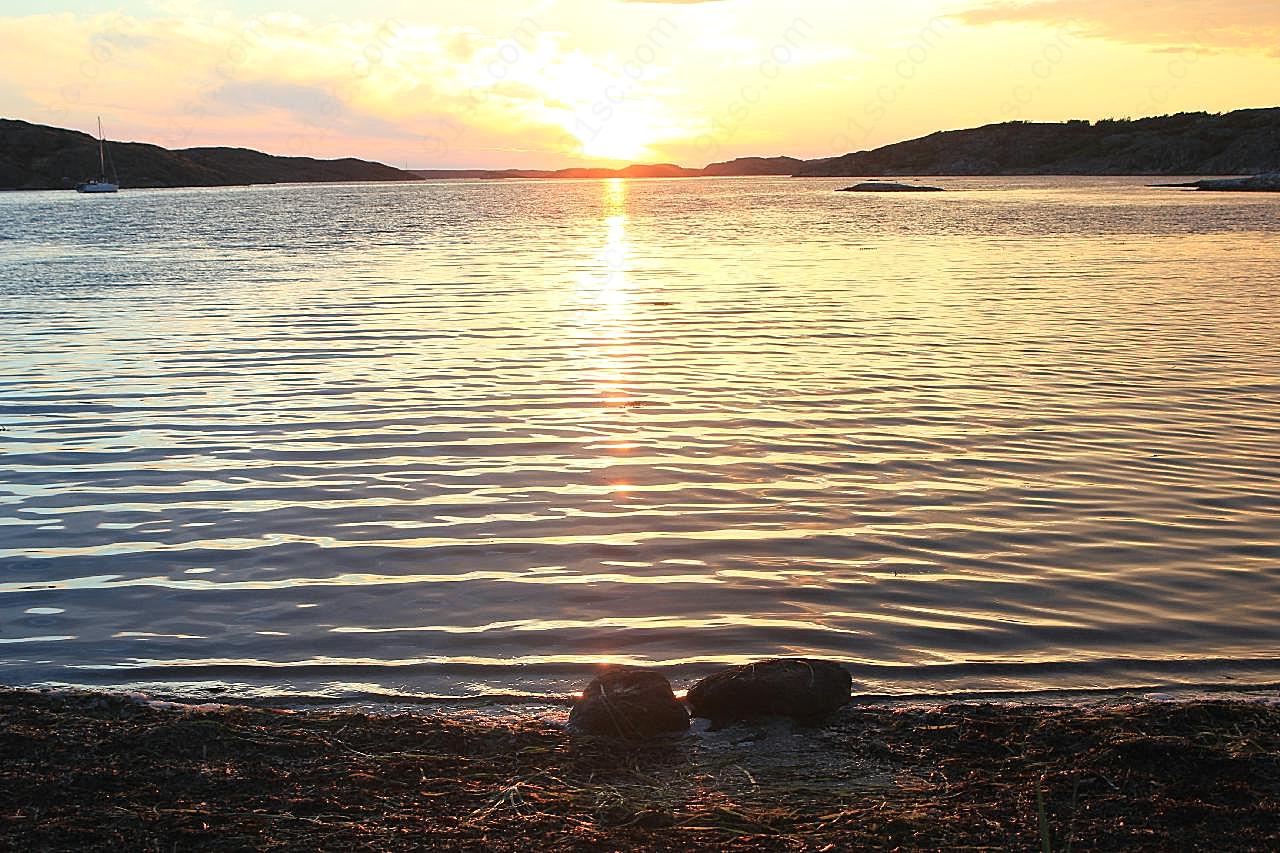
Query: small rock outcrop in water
<point x="789" y="687"/>
<point x="630" y="703"/>
<point x="1265" y="183"/>
<point x="889" y="187"/>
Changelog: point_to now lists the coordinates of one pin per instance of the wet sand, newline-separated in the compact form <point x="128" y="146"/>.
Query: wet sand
<point x="82" y="771"/>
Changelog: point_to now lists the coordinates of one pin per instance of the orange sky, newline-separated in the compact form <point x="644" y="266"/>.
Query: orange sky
<point x="551" y="83"/>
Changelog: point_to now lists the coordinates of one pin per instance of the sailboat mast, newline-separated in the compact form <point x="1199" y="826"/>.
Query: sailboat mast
<point x="102" y="163"/>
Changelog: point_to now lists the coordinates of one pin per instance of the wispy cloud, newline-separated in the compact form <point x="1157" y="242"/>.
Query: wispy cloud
<point x="1202" y="25"/>
<point x="288" y="85"/>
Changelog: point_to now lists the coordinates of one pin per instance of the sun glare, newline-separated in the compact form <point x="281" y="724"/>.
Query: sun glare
<point x="622" y="138"/>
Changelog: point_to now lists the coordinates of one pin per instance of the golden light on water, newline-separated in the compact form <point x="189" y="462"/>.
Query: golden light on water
<point x="604" y="293"/>
<point x="499" y="423"/>
<point x="604" y="328"/>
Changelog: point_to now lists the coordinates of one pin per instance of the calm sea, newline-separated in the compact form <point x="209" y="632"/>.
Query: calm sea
<point x="462" y="439"/>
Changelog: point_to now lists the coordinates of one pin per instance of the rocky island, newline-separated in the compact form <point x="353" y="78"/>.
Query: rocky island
<point x="1266" y="183"/>
<point x="889" y="187"/>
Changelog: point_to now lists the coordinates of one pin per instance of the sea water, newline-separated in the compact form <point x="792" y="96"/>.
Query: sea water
<point x="477" y="438"/>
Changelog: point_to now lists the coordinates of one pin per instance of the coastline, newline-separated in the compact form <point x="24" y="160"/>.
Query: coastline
<point x="1079" y="147"/>
<point x="90" y="770"/>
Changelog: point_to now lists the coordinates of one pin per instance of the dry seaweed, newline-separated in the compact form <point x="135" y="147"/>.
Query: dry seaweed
<point x="82" y="772"/>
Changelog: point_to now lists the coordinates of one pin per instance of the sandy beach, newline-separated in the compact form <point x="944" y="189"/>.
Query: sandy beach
<point x="88" y="771"/>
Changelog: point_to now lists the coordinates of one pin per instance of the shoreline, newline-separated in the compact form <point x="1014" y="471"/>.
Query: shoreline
<point x="519" y="179"/>
<point x="503" y="703"/>
<point x="85" y="769"/>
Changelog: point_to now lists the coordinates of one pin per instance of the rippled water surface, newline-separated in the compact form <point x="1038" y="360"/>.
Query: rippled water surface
<point x="472" y="438"/>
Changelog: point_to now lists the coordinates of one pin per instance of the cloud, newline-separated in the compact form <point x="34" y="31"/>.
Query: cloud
<point x="300" y="100"/>
<point x="305" y="105"/>
<point x="1194" y="25"/>
<point x="281" y="83"/>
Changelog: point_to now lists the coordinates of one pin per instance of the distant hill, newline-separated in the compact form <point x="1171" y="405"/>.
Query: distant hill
<point x="36" y="157"/>
<point x="744" y="166"/>
<point x="1244" y="142"/>
<point x="658" y="170"/>
<point x="1236" y="143"/>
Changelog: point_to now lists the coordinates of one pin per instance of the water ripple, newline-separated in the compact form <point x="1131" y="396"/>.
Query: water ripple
<point x="401" y="441"/>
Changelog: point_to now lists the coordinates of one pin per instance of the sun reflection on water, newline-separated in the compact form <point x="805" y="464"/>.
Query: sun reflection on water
<point x="606" y="280"/>
<point x="604" y="294"/>
<point x="605" y="334"/>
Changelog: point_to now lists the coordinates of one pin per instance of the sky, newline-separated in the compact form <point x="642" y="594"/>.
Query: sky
<point x="554" y="83"/>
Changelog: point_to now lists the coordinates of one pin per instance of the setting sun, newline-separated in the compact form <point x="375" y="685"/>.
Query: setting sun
<point x="622" y="140"/>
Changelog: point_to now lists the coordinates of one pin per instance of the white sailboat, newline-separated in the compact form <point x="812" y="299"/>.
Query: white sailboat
<point x="100" y="184"/>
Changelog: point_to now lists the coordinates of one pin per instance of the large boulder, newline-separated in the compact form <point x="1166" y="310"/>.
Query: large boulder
<point x="790" y="687"/>
<point x="630" y="703"/>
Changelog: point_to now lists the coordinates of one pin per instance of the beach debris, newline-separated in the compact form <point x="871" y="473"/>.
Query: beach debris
<point x="1099" y="776"/>
<point x="788" y="687"/>
<point x="889" y="187"/>
<point x="628" y="702"/>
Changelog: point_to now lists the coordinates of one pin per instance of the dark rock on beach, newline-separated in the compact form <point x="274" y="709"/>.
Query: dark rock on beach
<point x="629" y="703"/>
<point x="889" y="187"/>
<point x="802" y="688"/>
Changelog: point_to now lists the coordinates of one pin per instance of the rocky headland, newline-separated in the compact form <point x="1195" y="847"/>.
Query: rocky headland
<point x="1244" y="142"/>
<point x="36" y="157"/>
<point x="1267" y="183"/>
